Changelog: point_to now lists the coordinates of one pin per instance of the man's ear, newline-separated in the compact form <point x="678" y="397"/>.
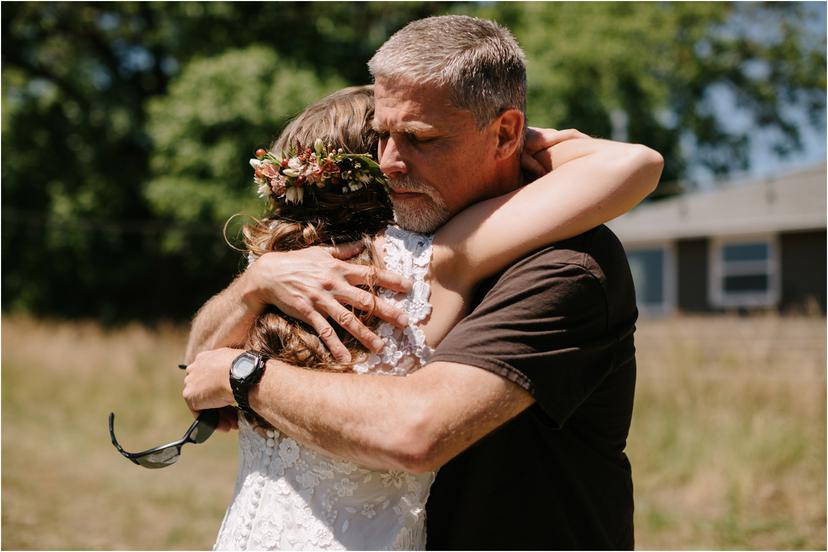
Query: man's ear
<point x="510" y="129"/>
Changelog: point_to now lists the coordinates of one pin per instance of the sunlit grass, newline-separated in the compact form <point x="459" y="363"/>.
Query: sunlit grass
<point x="727" y="443"/>
<point x="728" y="436"/>
<point x="64" y="485"/>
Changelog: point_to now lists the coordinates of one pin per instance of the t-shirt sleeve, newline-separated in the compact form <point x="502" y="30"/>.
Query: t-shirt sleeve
<point x="543" y="326"/>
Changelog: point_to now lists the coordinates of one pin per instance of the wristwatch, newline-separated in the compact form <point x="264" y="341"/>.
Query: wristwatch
<point x="245" y="372"/>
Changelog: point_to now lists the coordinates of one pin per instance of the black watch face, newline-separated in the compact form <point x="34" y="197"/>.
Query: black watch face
<point x="243" y="366"/>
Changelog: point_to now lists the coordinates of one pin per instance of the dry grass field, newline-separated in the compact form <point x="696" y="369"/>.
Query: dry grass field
<point x="727" y="445"/>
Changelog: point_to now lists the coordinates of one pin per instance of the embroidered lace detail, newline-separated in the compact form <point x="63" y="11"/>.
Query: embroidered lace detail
<point x="409" y="254"/>
<point x="288" y="496"/>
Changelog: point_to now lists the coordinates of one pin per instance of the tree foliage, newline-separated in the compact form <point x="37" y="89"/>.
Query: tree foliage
<point x="127" y="126"/>
<point x="204" y="130"/>
<point x="694" y="80"/>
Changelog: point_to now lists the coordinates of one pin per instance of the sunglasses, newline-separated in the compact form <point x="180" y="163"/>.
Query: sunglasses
<point x="167" y="455"/>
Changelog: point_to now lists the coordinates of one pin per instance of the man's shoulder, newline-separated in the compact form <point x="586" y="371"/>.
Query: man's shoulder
<point x="597" y="252"/>
<point x="590" y="267"/>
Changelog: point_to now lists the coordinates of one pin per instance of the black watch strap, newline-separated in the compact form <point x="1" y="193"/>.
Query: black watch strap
<point x="241" y="387"/>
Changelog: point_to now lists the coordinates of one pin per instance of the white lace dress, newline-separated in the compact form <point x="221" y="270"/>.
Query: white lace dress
<point x="288" y="496"/>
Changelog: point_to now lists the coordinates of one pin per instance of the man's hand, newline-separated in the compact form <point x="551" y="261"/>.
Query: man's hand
<point x="207" y="383"/>
<point x="315" y="283"/>
<point x="537" y="158"/>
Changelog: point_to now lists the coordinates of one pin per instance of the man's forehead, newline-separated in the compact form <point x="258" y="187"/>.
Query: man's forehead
<point x="410" y="107"/>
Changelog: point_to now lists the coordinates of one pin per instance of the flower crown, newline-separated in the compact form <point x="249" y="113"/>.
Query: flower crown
<point x="288" y="176"/>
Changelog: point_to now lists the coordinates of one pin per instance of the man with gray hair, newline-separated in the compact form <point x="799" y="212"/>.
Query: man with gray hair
<point x="526" y="404"/>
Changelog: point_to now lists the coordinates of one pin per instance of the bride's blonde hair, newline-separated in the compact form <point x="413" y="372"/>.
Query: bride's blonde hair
<point x="343" y="120"/>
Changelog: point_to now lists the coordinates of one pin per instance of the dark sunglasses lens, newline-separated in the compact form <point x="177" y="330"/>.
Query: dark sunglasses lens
<point x="160" y="459"/>
<point x="207" y="422"/>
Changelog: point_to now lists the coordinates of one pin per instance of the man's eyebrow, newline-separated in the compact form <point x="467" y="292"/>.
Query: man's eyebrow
<point x="405" y="126"/>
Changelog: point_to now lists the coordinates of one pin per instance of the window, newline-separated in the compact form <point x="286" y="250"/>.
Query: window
<point x="652" y="275"/>
<point x="744" y="272"/>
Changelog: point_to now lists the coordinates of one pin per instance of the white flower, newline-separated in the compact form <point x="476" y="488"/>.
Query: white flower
<point x="324" y="470"/>
<point x="255" y="163"/>
<point x="343" y="466"/>
<point x="289" y="452"/>
<point x="345" y="487"/>
<point x="294" y="194"/>
<point x="318" y="146"/>
<point x="394" y="478"/>
<point x="368" y="510"/>
<point x="307" y="479"/>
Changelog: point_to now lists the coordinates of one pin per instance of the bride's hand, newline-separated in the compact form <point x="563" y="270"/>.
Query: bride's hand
<point x="537" y="158"/>
<point x="314" y="284"/>
<point x="228" y="419"/>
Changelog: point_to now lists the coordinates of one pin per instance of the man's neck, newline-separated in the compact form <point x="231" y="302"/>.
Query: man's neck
<point x="509" y="177"/>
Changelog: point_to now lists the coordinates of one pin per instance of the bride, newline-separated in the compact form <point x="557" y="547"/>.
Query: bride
<point x="322" y="189"/>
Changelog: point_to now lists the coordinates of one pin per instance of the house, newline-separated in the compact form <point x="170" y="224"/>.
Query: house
<point x="751" y="245"/>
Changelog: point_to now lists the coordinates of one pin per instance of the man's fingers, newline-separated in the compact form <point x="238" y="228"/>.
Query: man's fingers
<point x="328" y="336"/>
<point x="369" y="275"/>
<point x="345" y="251"/>
<point x="353" y="326"/>
<point x="364" y="301"/>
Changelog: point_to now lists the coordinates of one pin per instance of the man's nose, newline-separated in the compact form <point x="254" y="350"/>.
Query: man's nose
<point x="391" y="161"/>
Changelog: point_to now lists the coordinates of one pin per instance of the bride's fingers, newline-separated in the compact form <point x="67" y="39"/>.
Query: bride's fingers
<point x="364" y="301"/>
<point x="328" y="336"/>
<point x="551" y="137"/>
<point x="531" y="165"/>
<point x="228" y="419"/>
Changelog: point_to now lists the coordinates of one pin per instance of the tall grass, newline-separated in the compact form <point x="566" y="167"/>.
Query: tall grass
<point x="727" y="444"/>
<point x="728" y="435"/>
<point x="64" y="485"/>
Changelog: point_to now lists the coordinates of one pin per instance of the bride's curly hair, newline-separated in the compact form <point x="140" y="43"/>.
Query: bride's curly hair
<point x="343" y="120"/>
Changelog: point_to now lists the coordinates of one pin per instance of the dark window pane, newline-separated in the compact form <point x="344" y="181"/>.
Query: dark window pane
<point x="647" y="266"/>
<point x="741" y="284"/>
<point x="746" y="252"/>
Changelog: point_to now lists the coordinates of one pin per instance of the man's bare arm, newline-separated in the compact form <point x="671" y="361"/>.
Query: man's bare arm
<point x="312" y="285"/>
<point x="223" y="321"/>
<point x="415" y="423"/>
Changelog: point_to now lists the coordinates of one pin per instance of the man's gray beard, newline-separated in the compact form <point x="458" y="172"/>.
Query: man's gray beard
<point x="415" y="218"/>
<point x="422" y="221"/>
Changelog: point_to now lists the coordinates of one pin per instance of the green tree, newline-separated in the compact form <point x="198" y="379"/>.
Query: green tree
<point x="89" y="228"/>
<point x="126" y="125"/>
<point x="217" y="112"/>
<point x="656" y="73"/>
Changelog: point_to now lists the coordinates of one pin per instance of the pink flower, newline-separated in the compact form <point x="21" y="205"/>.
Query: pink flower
<point x="329" y="167"/>
<point x="278" y="184"/>
<point x="268" y="171"/>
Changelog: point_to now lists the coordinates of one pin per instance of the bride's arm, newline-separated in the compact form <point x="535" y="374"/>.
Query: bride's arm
<point x="590" y="181"/>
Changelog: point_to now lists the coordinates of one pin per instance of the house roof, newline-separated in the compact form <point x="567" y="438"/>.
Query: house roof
<point x="793" y="201"/>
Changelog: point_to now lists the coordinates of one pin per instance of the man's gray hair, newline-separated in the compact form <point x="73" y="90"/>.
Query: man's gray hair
<point x="476" y="60"/>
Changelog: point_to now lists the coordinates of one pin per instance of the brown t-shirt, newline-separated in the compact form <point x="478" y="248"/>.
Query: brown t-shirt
<point x="559" y="323"/>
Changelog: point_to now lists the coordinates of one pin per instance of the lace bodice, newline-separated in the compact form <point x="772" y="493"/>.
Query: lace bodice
<point x="288" y="496"/>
